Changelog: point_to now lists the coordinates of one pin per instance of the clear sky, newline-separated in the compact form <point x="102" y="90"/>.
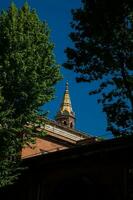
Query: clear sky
<point x="57" y="13"/>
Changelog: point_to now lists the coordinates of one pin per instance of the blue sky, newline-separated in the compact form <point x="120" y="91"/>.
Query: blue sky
<point x="57" y="13"/>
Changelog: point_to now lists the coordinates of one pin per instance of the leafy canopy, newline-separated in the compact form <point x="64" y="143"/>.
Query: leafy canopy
<point x="28" y="73"/>
<point x="102" y="53"/>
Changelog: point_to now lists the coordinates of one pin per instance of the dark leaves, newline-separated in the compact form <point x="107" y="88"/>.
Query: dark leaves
<point x="102" y="53"/>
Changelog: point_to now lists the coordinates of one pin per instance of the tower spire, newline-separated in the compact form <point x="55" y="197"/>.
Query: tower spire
<point x="66" y="103"/>
<point x="66" y="115"/>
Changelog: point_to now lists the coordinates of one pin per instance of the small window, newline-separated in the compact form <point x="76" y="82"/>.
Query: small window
<point x="65" y="123"/>
<point x="71" y="125"/>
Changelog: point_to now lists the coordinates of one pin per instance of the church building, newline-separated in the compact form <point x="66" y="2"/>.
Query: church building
<point x="60" y="133"/>
<point x="69" y="164"/>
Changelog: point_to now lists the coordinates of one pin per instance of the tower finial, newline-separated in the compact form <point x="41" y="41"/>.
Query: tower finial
<point x="67" y="85"/>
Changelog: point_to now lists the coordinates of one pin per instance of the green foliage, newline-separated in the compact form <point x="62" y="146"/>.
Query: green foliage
<point x="103" y="53"/>
<point x="9" y="156"/>
<point x="28" y="73"/>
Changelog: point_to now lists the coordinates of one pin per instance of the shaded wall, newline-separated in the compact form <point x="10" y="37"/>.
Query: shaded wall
<point x="97" y="171"/>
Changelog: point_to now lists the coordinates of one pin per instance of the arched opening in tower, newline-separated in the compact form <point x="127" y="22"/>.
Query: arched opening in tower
<point x="71" y="125"/>
<point x="65" y="123"/>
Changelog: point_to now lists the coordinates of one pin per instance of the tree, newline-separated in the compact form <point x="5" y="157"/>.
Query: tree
<point x="28" y="73"/>
<point x="103" y="53"/>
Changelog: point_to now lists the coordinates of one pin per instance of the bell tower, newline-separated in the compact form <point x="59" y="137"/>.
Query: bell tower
<point x="66" y="116"/>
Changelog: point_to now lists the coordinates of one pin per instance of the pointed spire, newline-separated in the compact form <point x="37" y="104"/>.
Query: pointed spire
<point x="66" y="103"/>
<point x="66" y="116"/>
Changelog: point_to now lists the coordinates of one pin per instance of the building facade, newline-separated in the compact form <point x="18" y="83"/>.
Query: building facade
<point x="101" y="170"/>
